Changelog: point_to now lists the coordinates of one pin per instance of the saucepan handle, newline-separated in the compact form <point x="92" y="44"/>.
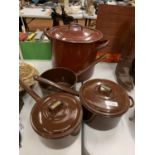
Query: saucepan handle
<point x="29" y="91"/>
<point x="91" y="65"/>
<point x="90" y="118"/>
<point x="132" y="103"/>
<point x="60" y="87"/>
<point x="102" y="44"/>
<point x="76" y="131"/>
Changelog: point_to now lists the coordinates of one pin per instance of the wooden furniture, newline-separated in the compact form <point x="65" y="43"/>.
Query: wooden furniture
<point x="114" y="21"/>
<point x="89" y="18"/>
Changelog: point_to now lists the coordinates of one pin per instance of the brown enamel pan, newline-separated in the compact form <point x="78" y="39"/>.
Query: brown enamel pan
<point x="52" y="117"/>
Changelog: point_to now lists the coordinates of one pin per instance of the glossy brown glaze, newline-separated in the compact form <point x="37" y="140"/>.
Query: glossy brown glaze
<point x="75" y="47"/>
<point x="50" y="121"/>
<point x="56" y="116"/>
<point x="100" y="122"/>
<point x="59" y="75"/>
<point x="74" y="56"/>
<point x="113" y="103"/>
<point x="60" y="143"/>
<point x="62" y="86"/>
<point x="74" y="33"/>
<point x="104" y="102"/>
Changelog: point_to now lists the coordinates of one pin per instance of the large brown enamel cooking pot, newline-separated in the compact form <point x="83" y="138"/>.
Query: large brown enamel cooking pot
<point x="56" y="118"/>
<point x="75" y="47"/>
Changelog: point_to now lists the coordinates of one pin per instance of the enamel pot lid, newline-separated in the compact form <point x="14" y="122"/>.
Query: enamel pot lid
<point x="56" y="115"/>
<point x="104" y="97"/>
<point x="74" y="33"/>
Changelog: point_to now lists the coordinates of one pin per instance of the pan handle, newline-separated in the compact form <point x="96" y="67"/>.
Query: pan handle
<point x="91" y="65"/>
<point x="132" y="103"/>
<point x="29" y="91"/>
<point x="76" y="131"/>
<point x="101" y="44"/>
<point x="60" y="87"/>
<point x="90" y="118"/>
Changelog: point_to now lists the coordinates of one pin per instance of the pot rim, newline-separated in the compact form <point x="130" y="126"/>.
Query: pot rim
<point x="74" y="41"/>
<point x="102" y="114"/>
<point x="63" y="68"/>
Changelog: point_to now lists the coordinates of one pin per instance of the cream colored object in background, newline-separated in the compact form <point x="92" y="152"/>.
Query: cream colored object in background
<point x="26" y="73"/>
<point x="90" y="10"/>
<point x="73" y="9"/>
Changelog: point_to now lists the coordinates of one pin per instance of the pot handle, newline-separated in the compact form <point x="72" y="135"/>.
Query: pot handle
<point x="60" y="87"/>
<point x="29" y="91"/>
<point x="90" y="119"/>
<point x="91" y="65"/>
<point x="102" y="44"/>
<point x="132" y="103"/>
<point x="76" y="131"/>
<point x="73" y="25"/>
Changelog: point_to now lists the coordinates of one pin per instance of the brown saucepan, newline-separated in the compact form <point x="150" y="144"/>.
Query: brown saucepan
<point x="75" y="47"/>
<point x="56" y="117"/>
<point x="63" y="77"/>
<point x="58" y="86"/>
<point x="104" y="102"/>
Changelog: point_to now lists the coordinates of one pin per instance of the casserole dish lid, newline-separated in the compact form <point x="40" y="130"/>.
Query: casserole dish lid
<point x="56" y="115"/>
<point x="104" y="97"/>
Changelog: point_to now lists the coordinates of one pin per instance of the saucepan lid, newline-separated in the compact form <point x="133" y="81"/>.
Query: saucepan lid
<point x="74" y="33"/>
<point x="56" y="115"/>
<point x="104" y="97"/>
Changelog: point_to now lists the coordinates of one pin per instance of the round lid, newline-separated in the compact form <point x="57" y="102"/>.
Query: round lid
<point x="74" y="33"/>
<point x="104" y="97"/>
<point x="56" y="115"/>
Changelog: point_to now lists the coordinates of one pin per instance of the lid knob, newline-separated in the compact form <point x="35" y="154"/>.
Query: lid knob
<point x="75" y="27"/>
<point x="55" y="105"/>
<point x="105" y="89"/>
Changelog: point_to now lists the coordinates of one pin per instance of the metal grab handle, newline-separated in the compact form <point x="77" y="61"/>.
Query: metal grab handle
<point x="90" y="118"/>
<point x="55" y="105"/>
<point x="102" y="57"/>
<point x="132" y="102"/>
<point x="75" y="25"/>
<point x="76" y="131"/>
<point x="60" y="87"/>
<point x="105" y="89"/>
<point x="29" y="91"/>
<point x="102" y="45"/>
